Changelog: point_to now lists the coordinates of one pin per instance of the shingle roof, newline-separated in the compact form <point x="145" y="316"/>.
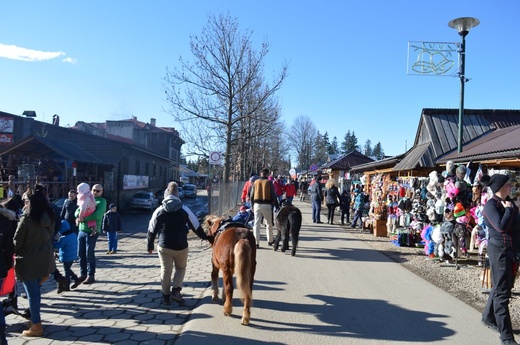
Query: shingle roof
<point x="74" y="145"/>
<point x="347" y="161"/>
<point x="419" y="156"/>
<point x="499" y="144"/>
<point x="385" y="163"/>
<point x="438" y="131"/>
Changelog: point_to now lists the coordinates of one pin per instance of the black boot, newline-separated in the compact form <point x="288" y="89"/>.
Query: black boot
<point x="166" y="299"/>
<point x="63" y="285"/>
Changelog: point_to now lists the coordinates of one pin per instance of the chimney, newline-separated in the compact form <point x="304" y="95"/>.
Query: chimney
<point x="152" y="121"/>
<point x="56" y="120"/>
<point x="134" y="117"/>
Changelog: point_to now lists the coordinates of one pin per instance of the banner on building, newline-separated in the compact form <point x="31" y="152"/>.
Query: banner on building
<point x="135" y="182"/>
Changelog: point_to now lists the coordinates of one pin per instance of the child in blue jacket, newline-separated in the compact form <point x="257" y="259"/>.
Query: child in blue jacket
<point x="68" y="252"/>
<point x="111" y="226"/>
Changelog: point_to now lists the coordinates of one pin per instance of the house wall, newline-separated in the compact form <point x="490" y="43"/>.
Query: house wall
<point x="120" y="128"/>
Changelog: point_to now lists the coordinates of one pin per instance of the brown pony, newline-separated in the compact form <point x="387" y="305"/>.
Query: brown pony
<point x="234" y="251"/>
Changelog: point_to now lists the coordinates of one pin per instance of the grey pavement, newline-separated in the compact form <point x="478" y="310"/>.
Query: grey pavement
<point x="336" y="290"/>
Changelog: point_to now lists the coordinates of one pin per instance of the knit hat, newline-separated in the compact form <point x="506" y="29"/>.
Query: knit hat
<point x="83" y="188"/>
<point x="243" y="208"/>
<point x="459" y="210"/>
<point x="65" y="226"/>
<point x="111" y="206"/>
<point x="495" y="182"/>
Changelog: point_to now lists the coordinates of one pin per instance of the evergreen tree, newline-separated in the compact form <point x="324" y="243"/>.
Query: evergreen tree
<point x="367" y="149"/>
<point x="378" y="151"/>
<point x="333" y="148"/>
<point x="320" y="150"/>
<point x="350" y="143"/>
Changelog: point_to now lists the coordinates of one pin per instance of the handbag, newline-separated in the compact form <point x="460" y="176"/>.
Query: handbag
<point x="8" y="283"/>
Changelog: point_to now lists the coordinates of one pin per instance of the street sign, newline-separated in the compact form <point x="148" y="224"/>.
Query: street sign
<point x="215" y="158"/>
<point x="313" y="167"/>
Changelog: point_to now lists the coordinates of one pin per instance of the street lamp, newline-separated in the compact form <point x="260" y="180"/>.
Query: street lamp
<point x="462" y="25"/>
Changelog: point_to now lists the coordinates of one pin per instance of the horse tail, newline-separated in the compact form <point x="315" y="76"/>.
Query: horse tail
<point x="243" y="268"/>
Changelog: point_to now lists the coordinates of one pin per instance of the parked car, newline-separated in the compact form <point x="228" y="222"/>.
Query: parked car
<point x="58" y="203"/>
<point x="159" y="195"/>
<point x="190" y="190"/>
<point x="145" y="200"/>
<point x="181" y="192"/>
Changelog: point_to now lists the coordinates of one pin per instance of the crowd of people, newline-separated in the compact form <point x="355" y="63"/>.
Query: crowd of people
<point x="33" y="230"/>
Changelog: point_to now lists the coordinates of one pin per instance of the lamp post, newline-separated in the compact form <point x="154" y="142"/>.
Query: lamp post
<point x="462" y="25"/>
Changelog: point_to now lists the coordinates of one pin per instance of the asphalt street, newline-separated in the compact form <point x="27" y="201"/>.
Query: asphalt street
<point x="336" y="290"/>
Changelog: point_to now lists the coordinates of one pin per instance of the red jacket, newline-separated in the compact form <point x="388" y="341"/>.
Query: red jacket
<point x="290" y="190"/>
<point x="278" y="187"/>
<point x="245" y="191"/>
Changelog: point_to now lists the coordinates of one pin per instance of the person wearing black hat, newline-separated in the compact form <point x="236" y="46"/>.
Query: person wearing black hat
<point x="502" y="219"/>
<point x="111" y="226"/>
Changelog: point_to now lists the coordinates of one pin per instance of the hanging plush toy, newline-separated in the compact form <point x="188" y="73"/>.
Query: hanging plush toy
<point x="447" y="234"/>
<point x="461" y="231"/>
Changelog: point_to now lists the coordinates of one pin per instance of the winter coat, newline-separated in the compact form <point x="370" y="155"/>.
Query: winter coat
<point x="68" y="210"/>
<point x="172" y="221"/>
<point x="359" y="202"/>
<point x="33" y="247"/>
<point x="7" y="229"/>
<point x="290" y="190"/>
<point x="316" y="191"/>
<point x="67" y="245"/>
<point x="111" y="222"/>
<point x="278" y="187"/>
<point x="262" y="192"/>
<point x="332" y="196"/>
<point x="345" y="200"/>
<point x="503" y="224"/>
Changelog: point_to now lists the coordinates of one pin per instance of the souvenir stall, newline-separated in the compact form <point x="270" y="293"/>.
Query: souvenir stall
<point x="406" y="211"/>
<point x="454" y="226"/>
<point x="381" y="189"/>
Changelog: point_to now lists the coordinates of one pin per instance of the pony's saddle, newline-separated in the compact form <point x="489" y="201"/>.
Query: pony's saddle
<point x="229" y="223"/>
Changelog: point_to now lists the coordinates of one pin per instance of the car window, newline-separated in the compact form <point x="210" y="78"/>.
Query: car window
<point x="141" y="196"/>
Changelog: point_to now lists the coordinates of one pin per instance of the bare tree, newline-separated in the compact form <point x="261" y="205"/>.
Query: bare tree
<point x="304" y="140"/>
<point x="223" y="86"/>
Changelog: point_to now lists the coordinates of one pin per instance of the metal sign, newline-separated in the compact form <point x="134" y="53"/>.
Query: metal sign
<point x="215" y="158"/>
<point x="433" y="58"/>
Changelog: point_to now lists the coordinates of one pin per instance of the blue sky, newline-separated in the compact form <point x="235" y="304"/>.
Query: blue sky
<point x="105" y="60"/>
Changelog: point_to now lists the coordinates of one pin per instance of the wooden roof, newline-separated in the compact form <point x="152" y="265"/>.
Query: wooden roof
<point x="438" y="131"/>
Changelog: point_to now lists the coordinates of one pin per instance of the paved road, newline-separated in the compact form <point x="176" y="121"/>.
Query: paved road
<point x="337" y="290"/>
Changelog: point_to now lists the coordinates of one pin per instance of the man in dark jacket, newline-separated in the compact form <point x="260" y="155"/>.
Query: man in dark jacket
<point x="69" y="208"/>
<point x="316" y="198"/>
<point x="170" y="222"/>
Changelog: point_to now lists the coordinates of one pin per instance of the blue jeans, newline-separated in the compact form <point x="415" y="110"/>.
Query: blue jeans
<point x="316" y="209"/>
<point x="3" y="340"/>
<point x="112" y="240"/>
<point x="87" y="259"/>
<point x="32" y="289"/>
<point x="357" y="216"/>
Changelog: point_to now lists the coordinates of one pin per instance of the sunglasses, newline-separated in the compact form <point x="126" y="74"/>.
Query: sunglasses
<point x="96" y="191"/>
